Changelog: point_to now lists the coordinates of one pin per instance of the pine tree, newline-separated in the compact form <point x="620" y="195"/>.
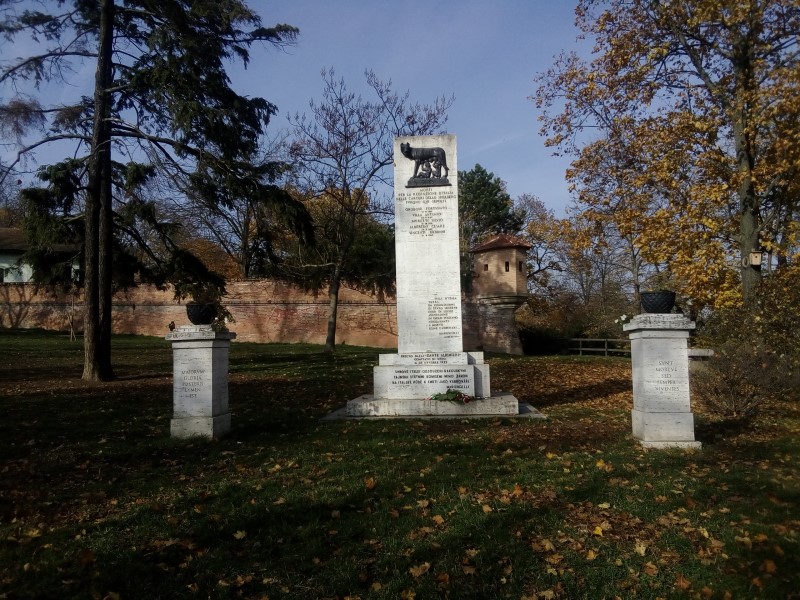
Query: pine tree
<point x="161" y="99"/>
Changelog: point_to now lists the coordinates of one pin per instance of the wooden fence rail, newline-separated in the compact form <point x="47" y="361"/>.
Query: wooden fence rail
<point x="605" y="346"/>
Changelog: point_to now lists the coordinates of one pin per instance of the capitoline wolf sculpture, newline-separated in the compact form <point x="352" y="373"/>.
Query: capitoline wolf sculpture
<point x="428" y="165"/>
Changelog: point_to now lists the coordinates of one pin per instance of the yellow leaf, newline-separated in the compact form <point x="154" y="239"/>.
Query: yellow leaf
<point x="240" y="535"/>
<point x="604" y="505"/>
<point x="438" y="519"/>
<point x="598" y="531"/>
<point x="487" y="508"/>
<point x="369" y="483"/>
<point x="551" y="455"/>
<point x="744" y="541"/>
<point x="640" y="548"/>
<point x="468" y="569"/>
<point x="591" y="554"/>
<point x="420" y="570"/>
<point x="376" y="587"/>
<point x="280" y="500"/>
<point x="650" y="569"/>
<point x="682" y="583"/>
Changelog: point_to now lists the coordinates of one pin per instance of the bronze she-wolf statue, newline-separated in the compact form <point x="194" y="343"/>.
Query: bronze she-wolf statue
<point x="436" y="156"/>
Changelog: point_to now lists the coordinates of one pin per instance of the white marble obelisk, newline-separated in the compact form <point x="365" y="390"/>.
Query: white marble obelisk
<point x="431" y="357"/>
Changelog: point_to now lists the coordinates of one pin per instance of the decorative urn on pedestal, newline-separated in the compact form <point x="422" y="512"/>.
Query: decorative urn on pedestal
<point x="204" y="304"/>
<point x="658" y="302"/>
<point x="201" y="313"/>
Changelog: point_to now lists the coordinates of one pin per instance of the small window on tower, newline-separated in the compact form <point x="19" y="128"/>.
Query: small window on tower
<point x="485" y="266"/>
<point x="508" y="266"/>
<point x="520" y="266"/>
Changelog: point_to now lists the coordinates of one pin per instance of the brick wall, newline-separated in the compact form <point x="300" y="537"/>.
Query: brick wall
<point x="265" y="311"/>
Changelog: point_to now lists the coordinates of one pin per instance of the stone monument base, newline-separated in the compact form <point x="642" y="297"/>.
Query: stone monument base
<point x="663" y="445"/>
<point x="404" y="384"/>
<point x="662" y="415"/>
<point x="200" y="381"/>
<point x="417" y="375"/>
<point x="664" y="430"/>
<point x="209" y="427"/>
<point x="499" y="404"/>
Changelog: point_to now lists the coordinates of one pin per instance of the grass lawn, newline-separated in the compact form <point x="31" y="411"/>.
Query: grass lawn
<point x="96" y="500"/>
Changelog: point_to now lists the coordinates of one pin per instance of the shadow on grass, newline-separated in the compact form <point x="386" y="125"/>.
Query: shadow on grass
<point x="576" y="395"/>
<point x="712" y="432"/>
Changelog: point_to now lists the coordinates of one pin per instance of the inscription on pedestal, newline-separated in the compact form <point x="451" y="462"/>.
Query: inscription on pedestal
<point x="666" y="377"/>
<point x="444" y="316"/>
<point x="425" y="213"/>
<point x="423" y="381"/>
<point x="192" y="380"/>
<point x="432" y="358"/>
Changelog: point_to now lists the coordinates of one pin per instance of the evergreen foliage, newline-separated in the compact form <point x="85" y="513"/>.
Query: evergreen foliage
<point x="162" y="108"/>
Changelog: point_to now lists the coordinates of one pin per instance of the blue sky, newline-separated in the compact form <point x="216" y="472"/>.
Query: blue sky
<point x="485" y="52"/>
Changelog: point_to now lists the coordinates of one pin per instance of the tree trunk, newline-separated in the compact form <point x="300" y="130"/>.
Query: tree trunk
<point x="333" y="308"/>
<point x="749" y="214"/>
<point x="98" y="260"/>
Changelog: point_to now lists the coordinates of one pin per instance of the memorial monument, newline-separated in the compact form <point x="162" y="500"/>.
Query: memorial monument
<point x="661" y="415"/>
<point x="431" y="358"/>
<point x="200" y="381"/>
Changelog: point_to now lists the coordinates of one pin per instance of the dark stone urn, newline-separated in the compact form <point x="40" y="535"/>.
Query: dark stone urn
<point x="660" y="302"/>
<point x="201" y="313"/>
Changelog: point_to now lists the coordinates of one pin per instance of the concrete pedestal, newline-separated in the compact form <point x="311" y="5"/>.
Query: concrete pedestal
<point x="661" y="416"/>
<point x="403" y="384"/>
<point x="200" y="381"/>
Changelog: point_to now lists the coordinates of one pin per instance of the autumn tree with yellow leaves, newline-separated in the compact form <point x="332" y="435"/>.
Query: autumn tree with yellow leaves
<point x="685" y="127"/>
